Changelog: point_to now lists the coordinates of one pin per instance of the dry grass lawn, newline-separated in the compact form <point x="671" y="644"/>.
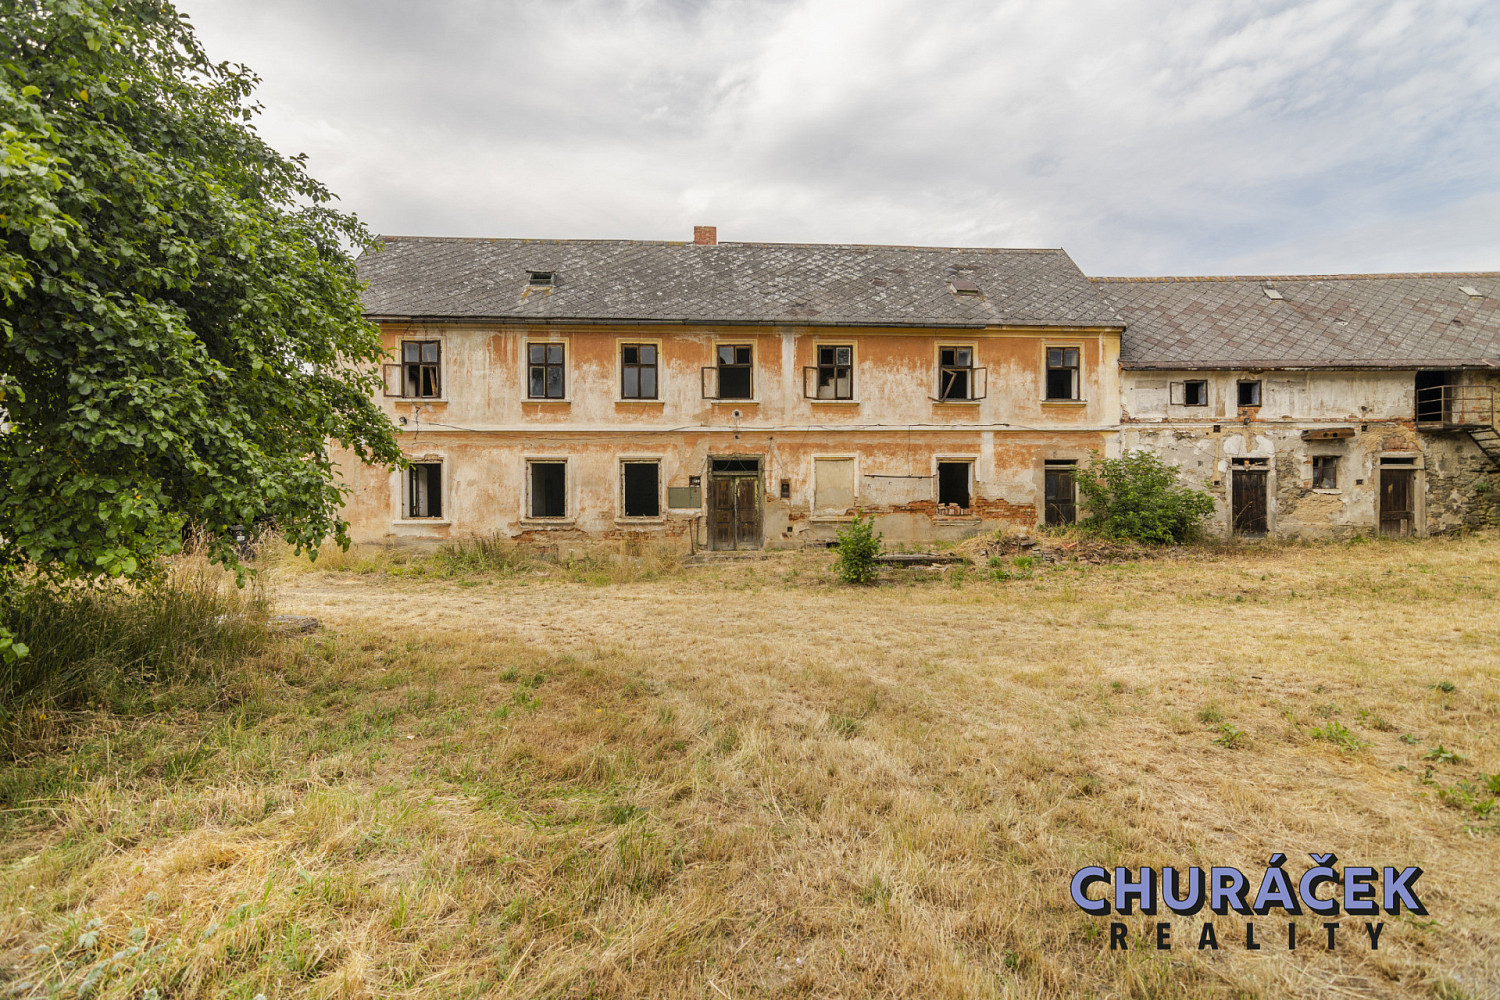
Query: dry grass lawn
<point x="745" y="780"/>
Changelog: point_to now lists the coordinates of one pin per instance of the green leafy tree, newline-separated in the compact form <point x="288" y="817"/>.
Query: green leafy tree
<point x="1140" y="497"/>
<point x="858" y="547"/>
<point x="179" y="309"/>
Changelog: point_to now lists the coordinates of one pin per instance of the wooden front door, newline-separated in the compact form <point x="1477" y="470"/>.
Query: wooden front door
<point x="1397" y="516"/>
<point x="734" y="511"/>
<point x="1248" y="508"/>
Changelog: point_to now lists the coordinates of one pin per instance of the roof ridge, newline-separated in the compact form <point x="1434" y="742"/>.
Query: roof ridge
<point x="1301" y="277"/>
<point x="738" y="243"/>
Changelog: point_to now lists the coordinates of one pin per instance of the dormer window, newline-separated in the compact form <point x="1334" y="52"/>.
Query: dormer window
<point x="541" y="278"/>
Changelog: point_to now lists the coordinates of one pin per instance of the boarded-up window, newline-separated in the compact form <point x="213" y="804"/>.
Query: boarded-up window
<point x="833" y="485"/>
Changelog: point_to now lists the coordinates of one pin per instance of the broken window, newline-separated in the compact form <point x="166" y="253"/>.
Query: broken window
<point x="953" y="487"/>
<point x="835" y="372"/>
<point x="956" y="374"/>
<point x="546" y="364"/>
<point x="1249" y="393"/>
<point x="1195" y="392"/>
<point x="734" y="363"/>
<point x="1062" y="373"/>
<point x="638" y="371"/>
<point x="549" y="489"/>
<point x="1325" y="472"/>
<point x="642" y="486"/>
<point x="420" y="375"/>
<point x="1060" y="491"/>
<point x="424" y="490"/>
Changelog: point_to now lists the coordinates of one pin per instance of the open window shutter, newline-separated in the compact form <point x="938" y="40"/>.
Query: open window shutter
<point x="1177" y="393"/>
<point x="979" y="388"/>
<point x="392" y="376"/>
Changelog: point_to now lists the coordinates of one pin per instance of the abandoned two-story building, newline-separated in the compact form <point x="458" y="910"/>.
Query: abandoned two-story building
<point x="746" y="395"/>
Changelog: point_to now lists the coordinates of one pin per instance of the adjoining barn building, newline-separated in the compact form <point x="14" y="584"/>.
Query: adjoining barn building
<point x="753" y="394"/>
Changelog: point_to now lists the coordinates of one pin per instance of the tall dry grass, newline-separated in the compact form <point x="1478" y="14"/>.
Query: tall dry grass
<point x="749" y="781"/>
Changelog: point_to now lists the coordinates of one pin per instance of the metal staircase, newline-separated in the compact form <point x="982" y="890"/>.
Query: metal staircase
<point x="1468" y="408"/>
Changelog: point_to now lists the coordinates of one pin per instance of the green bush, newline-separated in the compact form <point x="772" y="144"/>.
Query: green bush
<point x="1139" y="497"/>
<point x="858" y="547"/>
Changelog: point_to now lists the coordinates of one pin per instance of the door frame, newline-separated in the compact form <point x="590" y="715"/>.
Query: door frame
<point x="1402" y="461"/>
<point x="730" y="480"/>
<point x="1247" y="470"/>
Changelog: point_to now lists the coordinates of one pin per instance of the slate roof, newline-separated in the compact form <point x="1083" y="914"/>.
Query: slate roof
<point x="1322" y="321"/>
<point x="763" y="283"/>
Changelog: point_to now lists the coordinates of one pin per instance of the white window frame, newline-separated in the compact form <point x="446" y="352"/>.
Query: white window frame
<point x="973" y="463"/>
<point x="661" y="486"/>
<point x="400" y="482"/>
<point x="569" y="515"/>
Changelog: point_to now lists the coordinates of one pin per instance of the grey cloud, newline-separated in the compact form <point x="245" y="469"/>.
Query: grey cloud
<point x="1144" y="136"/>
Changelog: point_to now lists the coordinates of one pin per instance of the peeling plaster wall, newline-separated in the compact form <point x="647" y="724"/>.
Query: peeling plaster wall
<point x="484" y="430"/>
<point x="1455" y="483"/>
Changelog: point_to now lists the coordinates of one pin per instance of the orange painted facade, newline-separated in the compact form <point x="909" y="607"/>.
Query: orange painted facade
<point x="891" y="450"/>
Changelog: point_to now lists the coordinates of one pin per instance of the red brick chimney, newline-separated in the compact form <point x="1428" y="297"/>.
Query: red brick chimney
<point x="705" y="235"/>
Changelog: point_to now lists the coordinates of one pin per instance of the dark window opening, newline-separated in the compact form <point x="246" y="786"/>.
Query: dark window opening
<point x="835" y="372"/>
<point x="638" y="371"/>
<point x="549" y="489"/>
<point x="734" y="465"/>
<point x="734" y="371"/>
<point x="955" y="373"/>
<point x="424" y="490"/>
<point x="1325" y="472"/>
<point x="541" y="278"/>
<point x="421" y="376"/>
<point x="1060" y="492"/>
<point x="953" y="486"/>
<point x="546" y="364"/>
<point x="1195" y="392"/>
<point x="1249" y="393"/>
<point x="1062" y="373"/>
<point x="642" y="489"/>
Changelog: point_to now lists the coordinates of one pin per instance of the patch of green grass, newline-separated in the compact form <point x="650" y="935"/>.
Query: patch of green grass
<point x="1210" y="713"/>
<point x="1443" y="755"/>
<point x="1339" y="735"/>
<point x="1231" y="738"/>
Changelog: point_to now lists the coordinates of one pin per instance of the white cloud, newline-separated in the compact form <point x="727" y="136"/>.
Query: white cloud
<point x="1142" y="135"/>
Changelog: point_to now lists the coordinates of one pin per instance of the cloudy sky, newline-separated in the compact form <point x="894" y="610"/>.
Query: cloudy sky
<point x="1145" y="136"/>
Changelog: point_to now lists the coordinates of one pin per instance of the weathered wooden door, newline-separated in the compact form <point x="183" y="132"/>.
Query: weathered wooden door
<point x="1248" y="505"/>
<point x="1061" y="491"/>
<point x="1397" y="515"/>
<point x="734" y="512"/>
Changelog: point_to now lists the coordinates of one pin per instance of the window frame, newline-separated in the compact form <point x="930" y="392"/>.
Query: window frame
<point x="1332" y="464"/>
<point x="816" y="371"/>
<point x="1239" y="388"/>
<point x="972" y="461"/>
<point x="405" y="499"/>
<point x="661" y="489"/>
<point x="717" y="368"/>
<point x="1048" y="368"/>
<point x="402" y="368"/>
<point x="971" y="368"/>
<point x="656" y="366"/>
<point x="562" y="367"/>
<point x="1174" y="387"/>
<point x="528" y="502"/>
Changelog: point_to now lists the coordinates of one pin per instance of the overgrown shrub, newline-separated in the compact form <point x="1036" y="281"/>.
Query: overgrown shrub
<point x="1140" y="497"/>
<point x="858" y="547"/>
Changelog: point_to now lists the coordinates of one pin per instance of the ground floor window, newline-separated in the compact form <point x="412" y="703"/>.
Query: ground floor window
<point x="953" y="486"/>
<point x="642" y="487"/>
<point x="1325" y="472"/>
<point x="1061" y="492"/>
<point x="424" y="490"/>
<point x="549" y="489"/>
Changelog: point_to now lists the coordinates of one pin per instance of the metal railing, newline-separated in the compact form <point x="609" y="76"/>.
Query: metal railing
<point x="1456" y="406"/>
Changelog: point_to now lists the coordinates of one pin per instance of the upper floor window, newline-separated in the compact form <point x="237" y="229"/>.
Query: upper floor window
<point x="421" y="374"/>
<point x="638" y="371"/>
<point x="1062" y="373"/>
<point x="1249" y="393"/>
<point x="834" y="373"/>
<point x="732" y="372"/>
<point x="958" y="379"/>
<point x="546" y="379"/>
